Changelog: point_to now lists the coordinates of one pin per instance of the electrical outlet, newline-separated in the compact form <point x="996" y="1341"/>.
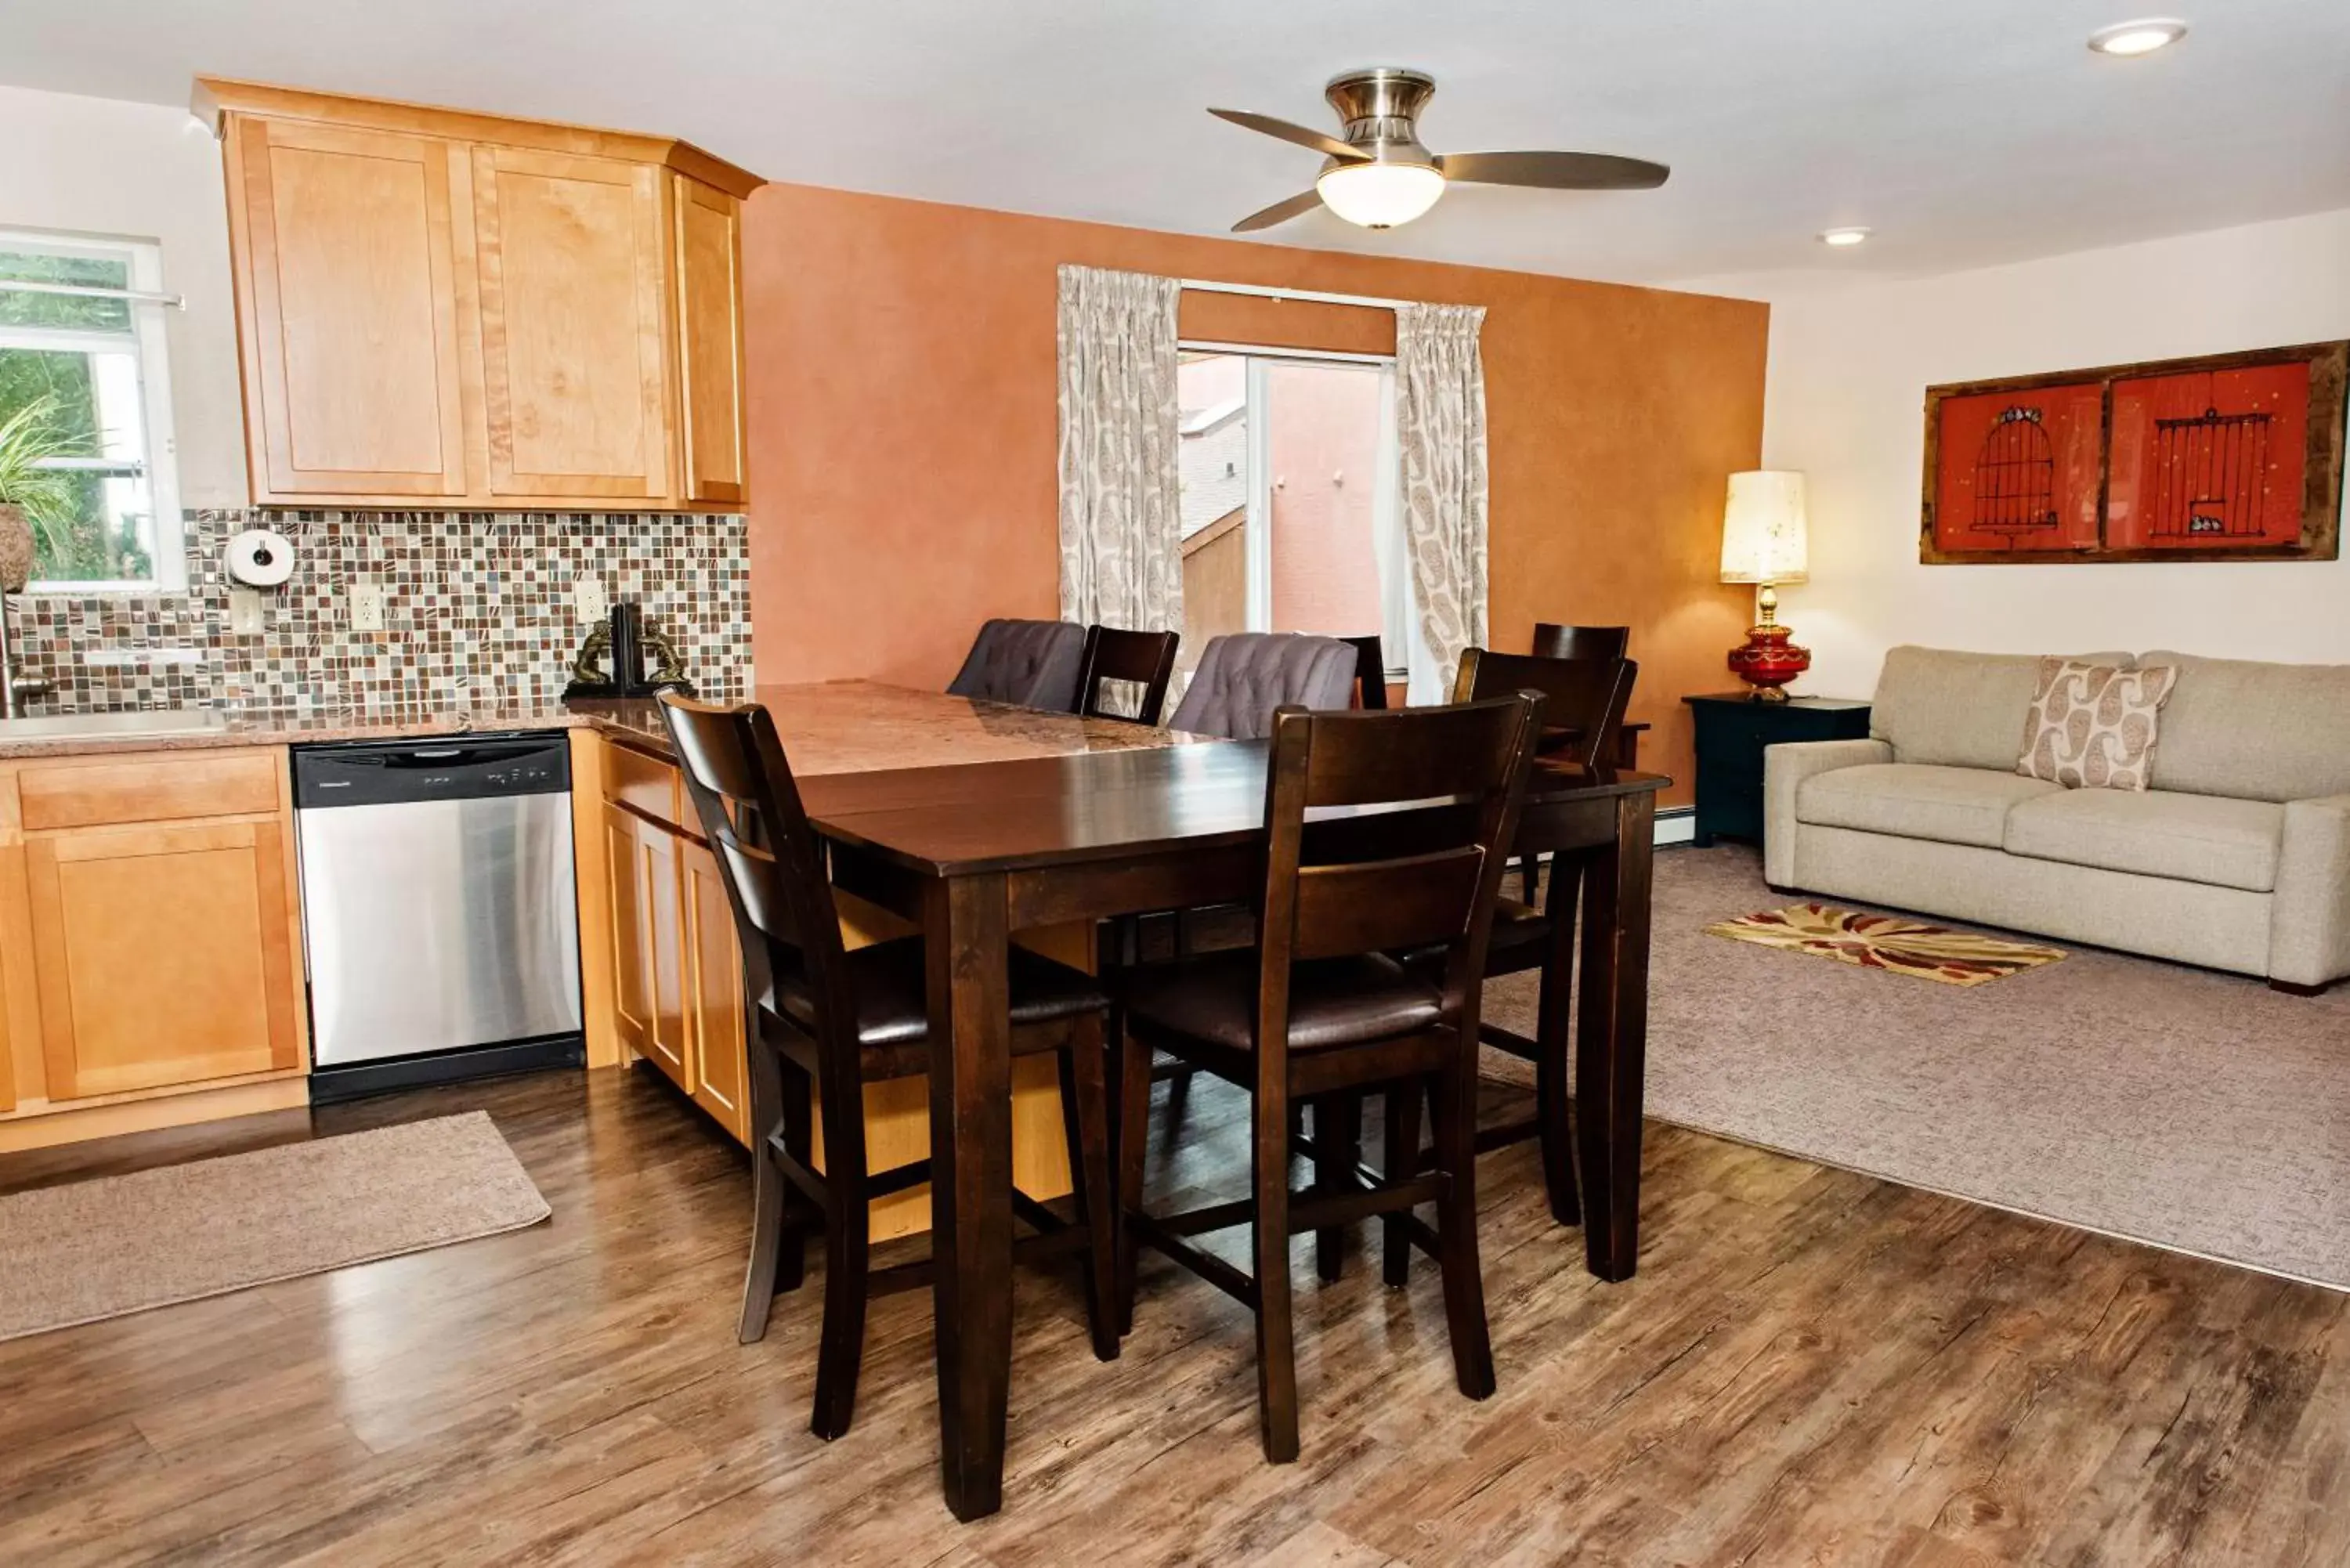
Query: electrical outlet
<point x="588" y="600"/>
<point x="366" y="605"/>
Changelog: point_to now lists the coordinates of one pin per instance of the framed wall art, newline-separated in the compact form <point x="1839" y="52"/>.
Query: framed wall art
<point x="2230" y="457"/>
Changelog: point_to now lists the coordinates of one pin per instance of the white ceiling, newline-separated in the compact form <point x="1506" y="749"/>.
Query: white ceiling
<point x="1966" y="132"/>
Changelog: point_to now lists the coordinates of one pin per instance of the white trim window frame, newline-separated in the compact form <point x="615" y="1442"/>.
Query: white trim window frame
<point x="145" y="339"/>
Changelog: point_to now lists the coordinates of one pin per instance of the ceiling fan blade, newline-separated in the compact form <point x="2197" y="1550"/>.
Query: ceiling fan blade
<point x="1554" y="170"/>
<point x="1279" y="213"/>
<point x="1317" y="140"/>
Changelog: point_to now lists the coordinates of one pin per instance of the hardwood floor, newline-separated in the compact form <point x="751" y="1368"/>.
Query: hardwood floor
<point x="1812" y="1366"/>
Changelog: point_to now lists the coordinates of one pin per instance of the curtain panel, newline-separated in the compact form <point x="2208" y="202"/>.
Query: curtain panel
<point x="1121" y="525"/>
<point x="1441" y="431"/>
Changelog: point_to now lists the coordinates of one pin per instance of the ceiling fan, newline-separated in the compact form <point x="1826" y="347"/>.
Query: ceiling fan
<point x="1379" y="175"/>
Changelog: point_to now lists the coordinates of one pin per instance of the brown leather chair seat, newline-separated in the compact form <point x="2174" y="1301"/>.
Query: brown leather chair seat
<point x="893" y="1017"/>
<point x="1355" y="1001"/>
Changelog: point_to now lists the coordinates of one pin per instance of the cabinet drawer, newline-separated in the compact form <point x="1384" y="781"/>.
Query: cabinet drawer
<point x="645" y="785"/>
<point x="163" y="788"/>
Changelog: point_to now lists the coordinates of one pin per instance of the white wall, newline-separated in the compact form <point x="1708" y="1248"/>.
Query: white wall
<point x="97" y="166"/>
<point x="1849" y="368"/>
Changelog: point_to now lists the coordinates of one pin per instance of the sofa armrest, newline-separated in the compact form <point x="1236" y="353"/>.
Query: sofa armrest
<point x="1784" y="768"/>
<point x="2309" y="923"/>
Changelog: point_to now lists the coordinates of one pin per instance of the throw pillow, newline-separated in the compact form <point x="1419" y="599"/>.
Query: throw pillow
<point x="2092" y="726"/>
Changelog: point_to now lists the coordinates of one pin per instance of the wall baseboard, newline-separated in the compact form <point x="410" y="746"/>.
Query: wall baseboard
<point x="1677" y="825"/>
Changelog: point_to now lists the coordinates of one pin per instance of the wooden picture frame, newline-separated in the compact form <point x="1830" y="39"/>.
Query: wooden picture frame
<point x="2041" y="486"/>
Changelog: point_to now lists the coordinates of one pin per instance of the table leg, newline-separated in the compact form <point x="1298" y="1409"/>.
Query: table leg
<point x="1612" y="1043"/>
<point x="964" y="922"/>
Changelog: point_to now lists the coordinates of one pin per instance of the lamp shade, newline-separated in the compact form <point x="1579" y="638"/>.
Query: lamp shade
<point x="1763" y="530"/>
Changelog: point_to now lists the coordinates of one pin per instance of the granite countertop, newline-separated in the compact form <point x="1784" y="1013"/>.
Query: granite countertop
<point x="838" y="726"/>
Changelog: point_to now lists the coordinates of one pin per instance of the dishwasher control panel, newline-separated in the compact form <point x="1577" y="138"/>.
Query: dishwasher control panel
<point x="457" y="767"/>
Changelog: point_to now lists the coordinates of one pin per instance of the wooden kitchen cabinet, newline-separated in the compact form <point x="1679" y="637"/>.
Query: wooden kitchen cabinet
<point x="149" y="947"/>
<point x="713" y="987"/>
<point x="486" y="311"/>
<point x="649" y="943"/>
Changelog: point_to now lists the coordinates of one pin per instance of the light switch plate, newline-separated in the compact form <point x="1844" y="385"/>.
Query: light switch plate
<point x="588" y="600"/>
<point x="366" y="605"/>
<point x="244" y="612"/>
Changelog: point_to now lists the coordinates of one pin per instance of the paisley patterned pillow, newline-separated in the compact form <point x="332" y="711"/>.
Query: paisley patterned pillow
<point x="2092" y="726"/>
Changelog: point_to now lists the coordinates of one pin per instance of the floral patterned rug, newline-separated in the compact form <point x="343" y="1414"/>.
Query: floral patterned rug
<point x="1888" y="941"/>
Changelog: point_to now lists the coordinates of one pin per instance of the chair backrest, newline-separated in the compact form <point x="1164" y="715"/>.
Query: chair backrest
<point x="1377" y="882"/>
<point x="1143" y="658"/>
<point x="1552" y="640"/>
<point x="773" y="871"/>
<point x="1027" y="663"/>
<point x="1243" y="677"/>
<point x="1370" y="671"/>
<point x="1584" y="699"/>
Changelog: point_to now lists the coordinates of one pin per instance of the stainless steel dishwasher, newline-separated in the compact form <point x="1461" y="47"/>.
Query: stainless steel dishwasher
<point x="437" y="909"/>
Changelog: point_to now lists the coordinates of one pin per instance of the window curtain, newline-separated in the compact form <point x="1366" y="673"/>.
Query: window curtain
<point x="1441" y="430"/>
<point x="1121" y="527"/>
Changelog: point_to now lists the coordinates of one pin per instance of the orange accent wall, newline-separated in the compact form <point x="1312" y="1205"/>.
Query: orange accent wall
<point x="902" y="377"/>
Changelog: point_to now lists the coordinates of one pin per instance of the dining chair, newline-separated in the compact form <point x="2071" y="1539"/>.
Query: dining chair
<point x="1552" y="640"/>
<point x="1143" y="658"/>
<point x="1370" y="671"/>
<point x="1584" y="701"/>
<point x="1026" y="663"/>
<point x="1244" y="676"/>
<point x="1318" y="1012"/>
<point x="826" y="1021"/>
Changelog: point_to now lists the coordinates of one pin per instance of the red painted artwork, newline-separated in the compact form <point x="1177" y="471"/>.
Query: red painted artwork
<point x="2020" y="470"/>
<point x="2229" y="457"/>
<point x="2212" y="459"/>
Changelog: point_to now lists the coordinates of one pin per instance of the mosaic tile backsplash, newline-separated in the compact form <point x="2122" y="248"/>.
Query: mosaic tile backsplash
<point x="478" y="605"/>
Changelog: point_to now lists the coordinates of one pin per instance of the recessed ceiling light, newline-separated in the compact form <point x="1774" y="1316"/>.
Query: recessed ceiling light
<point x="1841" y="238"/>
<point x="2142" y="36"/>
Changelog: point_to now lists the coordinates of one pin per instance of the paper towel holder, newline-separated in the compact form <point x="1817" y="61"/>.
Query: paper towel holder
<point x="259" y="558"/>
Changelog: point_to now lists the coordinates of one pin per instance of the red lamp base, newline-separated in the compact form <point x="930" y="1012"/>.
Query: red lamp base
<point x="1767" y="662"/>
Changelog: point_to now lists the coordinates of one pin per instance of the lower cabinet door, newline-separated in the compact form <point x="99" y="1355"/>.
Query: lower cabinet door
<point x="165" y="955"/>
<point x="714" y="982"/>
<point x="648" y="943"/>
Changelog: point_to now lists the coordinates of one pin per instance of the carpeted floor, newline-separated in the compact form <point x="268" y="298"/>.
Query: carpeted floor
<point x="117" y="1244"/>
<point x="2190" y="1109"/>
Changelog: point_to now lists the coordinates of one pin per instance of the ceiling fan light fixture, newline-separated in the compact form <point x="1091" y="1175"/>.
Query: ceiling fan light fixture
<point x="2143" y="36"/>
<point x="1380" y="195"/>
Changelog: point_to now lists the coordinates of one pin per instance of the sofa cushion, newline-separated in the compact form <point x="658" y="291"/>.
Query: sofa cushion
<point x="2254" y="731"/>
<point x="1912" y="800"/>
<point x="1947" y="709"/>
<point x="2154" y="833"/>
<point x="2093" y="727"/>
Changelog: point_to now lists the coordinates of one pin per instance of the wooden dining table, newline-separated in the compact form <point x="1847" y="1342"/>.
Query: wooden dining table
<point x="973" y="851"/>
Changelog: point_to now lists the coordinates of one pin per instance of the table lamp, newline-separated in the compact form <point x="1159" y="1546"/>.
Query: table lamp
<point x="1762" y="542"/>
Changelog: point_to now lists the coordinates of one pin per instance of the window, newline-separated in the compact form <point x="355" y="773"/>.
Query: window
<point x="81" y="327"/>
<point x="1291" y="516"/>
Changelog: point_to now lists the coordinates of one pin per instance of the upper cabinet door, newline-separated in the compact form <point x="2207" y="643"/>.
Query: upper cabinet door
<point x="710" y="340"/>
<point x="356" y="299"/>
<point x="573" y="325"/>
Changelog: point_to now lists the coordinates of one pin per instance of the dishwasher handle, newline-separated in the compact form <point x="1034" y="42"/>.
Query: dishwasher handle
<point x="397" y="773"/>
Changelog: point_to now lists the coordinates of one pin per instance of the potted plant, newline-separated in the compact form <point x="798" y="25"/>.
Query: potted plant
<point x="30" y="494"/>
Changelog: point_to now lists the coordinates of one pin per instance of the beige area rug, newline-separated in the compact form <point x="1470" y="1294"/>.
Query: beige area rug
<point x="1889" y="943"/>
<point x="98" y="1249"/>
<point x="2193" y="1110"/>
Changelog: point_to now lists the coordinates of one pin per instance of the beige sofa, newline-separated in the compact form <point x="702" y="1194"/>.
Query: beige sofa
<point x="2237" y="858"/>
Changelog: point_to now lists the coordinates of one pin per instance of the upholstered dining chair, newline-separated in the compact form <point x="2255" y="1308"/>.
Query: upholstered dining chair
<point x="825" y="1021"/>
<point x="1584" y="701"/>
<point x="1142" y="661"/>
<point x="1318" y="1011"/>
<point x="1552" y="640"/>
<point x="1027" y="663"/>
<point x="1244" y="676"/>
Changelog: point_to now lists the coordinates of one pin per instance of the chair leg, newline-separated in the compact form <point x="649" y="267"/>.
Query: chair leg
<point x="1133" y="1145"/>
<point x="1276" y="1351"/>
<point x="847" y="1262"/>
<point x="1085" y="1123"/>
<point x="799" y="1142"/>
<point x="767" y="1245"/>
<point x="1554" y="1041"/>
<point x="1453" y="1094"/>
<point x="1402" y="1162"/>
<point x="1338" y="1149"/>
<point x="1179" y="1098"/>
